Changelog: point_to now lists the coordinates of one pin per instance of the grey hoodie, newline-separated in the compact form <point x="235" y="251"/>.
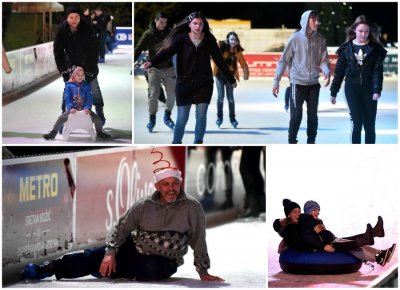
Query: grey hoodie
<point x="166" y="230"/>
<point x="304" y="55"/>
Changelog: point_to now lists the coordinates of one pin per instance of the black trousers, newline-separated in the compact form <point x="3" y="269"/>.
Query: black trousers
<point x="362" y="111"/>
<point x="130" y="264"/>
<point x="299" y="95"/>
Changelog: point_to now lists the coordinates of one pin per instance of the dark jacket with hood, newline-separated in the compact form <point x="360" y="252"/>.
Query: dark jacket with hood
<point x="291" y="235"/>
<point x="368" y="74"/>
<point x="80" y="48"/>
<point x="314" y="240"/>
<point x="151" y="40"/>
<point x="195" y="82"/>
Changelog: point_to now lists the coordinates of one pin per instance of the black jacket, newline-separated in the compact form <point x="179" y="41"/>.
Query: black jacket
<point x="151" y="40"/>
<point x="370" y="73"/>
<point x="314" y="240"/>
<point x="291" y="235"/>
<point x="193" y="68"/>
<point x="80" y="48"/>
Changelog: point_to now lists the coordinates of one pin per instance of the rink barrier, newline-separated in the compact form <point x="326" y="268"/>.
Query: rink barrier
<point x="35" y="64"/>
<point x="264" y="64"/>
<point x="30" y="66"/>
<point x="123" y="35"/>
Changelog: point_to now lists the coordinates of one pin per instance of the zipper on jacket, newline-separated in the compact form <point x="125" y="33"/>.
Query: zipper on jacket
<point x="310" y="56"/>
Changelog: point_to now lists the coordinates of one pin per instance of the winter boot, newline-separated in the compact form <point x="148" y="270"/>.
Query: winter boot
<point x="51" y="135"/>
<point x="384" y="256"/>
<point x="167" y="120"/>
<point x="151" y="123"/>
<point x="233" y="121"/>
<point x="100" y="113"/>
<point x="219" y="119"/>
<point x="378" y="230"/>
<point x="367" y="239"/>
<point x="37" y="272"/>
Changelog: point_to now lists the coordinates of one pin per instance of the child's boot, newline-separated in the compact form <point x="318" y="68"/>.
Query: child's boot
<point x="51" y="135"/>
<point x="151" y="123"/>
<point x="167" y="120"/>
<point x="384" y="256"/>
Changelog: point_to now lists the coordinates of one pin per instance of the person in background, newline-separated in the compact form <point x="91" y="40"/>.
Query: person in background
<point x="232" y="52"/>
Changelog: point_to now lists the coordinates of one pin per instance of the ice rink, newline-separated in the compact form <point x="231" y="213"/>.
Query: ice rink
<point x="263" y="120"/>
<point x="352" y="184"/>
<point x="237" y="251"/>
<point x="27" y="119"/>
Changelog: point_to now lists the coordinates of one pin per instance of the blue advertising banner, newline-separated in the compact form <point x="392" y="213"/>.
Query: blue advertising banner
<point x="123" y="35"/>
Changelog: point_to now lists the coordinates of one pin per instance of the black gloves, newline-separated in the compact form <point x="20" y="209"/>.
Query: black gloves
<point x="89" y="77"/>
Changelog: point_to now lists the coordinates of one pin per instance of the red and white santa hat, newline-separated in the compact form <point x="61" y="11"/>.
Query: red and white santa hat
<point x="167" y="172"/>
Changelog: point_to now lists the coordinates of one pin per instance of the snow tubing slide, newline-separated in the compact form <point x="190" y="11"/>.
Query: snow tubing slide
<point x="319" y="263"/>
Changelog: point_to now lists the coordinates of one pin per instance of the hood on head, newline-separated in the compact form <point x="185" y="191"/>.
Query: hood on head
<point x="304" y="20"/>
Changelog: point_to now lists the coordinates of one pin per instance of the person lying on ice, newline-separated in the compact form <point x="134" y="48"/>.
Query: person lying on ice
<point x="148" y="242"/>
<point x="77" y="96"/>
<point x="305" y="232"/>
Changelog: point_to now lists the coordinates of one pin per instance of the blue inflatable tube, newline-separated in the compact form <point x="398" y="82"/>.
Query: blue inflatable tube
<point x="318" y="263"/>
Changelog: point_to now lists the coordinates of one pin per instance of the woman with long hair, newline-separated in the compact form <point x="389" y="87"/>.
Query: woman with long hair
<point x="232" y="53"/>
<point x="193" y="43"/>
<point x="360" y="61"/>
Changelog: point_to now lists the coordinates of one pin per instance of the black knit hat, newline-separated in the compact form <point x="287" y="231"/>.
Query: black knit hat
<point x="288" y="206"/>
<point x="73" y="9"/>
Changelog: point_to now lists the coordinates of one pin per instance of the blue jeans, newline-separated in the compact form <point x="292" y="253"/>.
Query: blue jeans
<point x="221" y="84"/>
<point x="181" y="121"/>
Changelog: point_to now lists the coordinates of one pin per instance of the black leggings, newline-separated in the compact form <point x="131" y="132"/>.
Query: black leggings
<point x="130" y="264"/>
<point x="362" y="112"/>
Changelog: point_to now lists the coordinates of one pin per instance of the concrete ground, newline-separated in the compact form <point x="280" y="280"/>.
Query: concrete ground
<point x="27" y="119"/>
<point x="263" y="120"/>
<point x="236" y="255"/>
<point x="352" y="184"/>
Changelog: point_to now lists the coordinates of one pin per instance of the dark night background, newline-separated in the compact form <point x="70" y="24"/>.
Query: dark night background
<point x="276" y="14"/>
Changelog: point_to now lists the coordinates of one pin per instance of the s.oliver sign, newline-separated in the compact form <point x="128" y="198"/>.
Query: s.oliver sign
<point x="108" y="184"/>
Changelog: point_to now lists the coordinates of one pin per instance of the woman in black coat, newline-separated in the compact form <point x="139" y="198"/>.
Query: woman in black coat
<point x="360" y="60"/>
<point x="194" y="45"/>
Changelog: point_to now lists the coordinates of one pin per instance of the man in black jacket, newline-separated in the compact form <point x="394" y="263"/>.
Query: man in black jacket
<point x="164" y="72"/>
<point x="76" y="44"/>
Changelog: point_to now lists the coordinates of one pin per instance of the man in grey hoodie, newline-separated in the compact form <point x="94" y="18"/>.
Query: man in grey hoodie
<point x="148" y="242"/>
<point x="305" y="55"/>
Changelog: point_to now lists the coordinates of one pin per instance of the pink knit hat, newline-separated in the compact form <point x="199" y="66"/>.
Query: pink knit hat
<point x="74" y="73"/>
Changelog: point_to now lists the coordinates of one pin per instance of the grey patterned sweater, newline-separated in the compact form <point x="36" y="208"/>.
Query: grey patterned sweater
<point x="165" y="230"/>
